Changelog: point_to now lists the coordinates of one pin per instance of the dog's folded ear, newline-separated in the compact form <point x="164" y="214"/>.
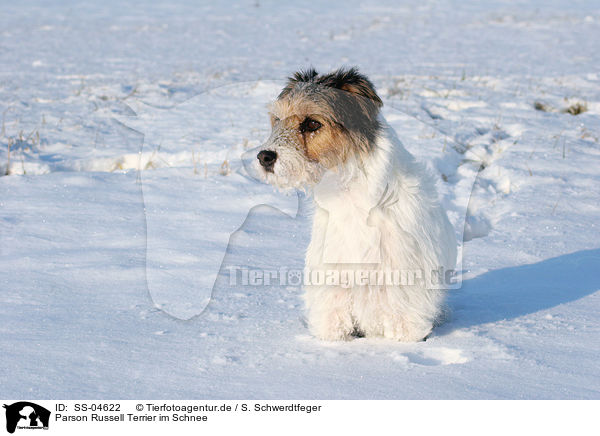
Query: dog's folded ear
<point x="351" y="80"/>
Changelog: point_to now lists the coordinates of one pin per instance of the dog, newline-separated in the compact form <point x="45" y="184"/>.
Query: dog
<point x="376" y="210"/>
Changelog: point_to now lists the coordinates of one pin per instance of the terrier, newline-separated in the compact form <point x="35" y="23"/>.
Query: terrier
<point x="376" y="219"/>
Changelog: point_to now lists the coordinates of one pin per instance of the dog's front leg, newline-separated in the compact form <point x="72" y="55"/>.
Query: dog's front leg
<point x="329" y="312"/>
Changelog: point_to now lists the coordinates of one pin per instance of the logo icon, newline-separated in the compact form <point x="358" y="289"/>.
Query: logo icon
<point x="26" y="415"/>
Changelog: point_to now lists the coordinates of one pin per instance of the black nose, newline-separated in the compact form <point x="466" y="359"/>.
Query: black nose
<point x="267" y="159"/>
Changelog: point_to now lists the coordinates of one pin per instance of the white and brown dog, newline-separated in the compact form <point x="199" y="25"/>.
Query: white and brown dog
<point x="376" y="209"/>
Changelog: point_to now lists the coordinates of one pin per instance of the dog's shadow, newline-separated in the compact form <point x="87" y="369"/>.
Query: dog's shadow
<point x="509" y="293"/>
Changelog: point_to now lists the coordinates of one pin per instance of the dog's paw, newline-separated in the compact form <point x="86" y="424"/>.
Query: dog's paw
<point x="398" y="329"/>
<point x="334" y="335"/>
<point x="332" y="328"/>
<point x="408" y="333"/>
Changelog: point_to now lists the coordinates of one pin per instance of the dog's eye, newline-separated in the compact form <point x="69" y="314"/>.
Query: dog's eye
<point x="309" y="125"/>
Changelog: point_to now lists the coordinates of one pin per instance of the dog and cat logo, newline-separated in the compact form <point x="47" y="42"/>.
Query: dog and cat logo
<point x="26" y="415"/>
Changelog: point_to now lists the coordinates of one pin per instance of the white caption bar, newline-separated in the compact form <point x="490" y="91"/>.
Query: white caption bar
<point x="293" y="417"/>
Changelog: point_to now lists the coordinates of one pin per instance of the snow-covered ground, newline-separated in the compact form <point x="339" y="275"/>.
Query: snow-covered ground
<point x="122" y="128"/>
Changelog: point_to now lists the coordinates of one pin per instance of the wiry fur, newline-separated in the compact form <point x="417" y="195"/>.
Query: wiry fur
<point x="363" y="179"/>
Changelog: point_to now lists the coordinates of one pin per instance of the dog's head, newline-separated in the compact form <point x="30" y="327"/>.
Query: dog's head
<point x="318" y="123"/>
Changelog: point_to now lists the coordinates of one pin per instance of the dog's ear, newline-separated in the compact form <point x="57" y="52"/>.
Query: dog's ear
<point x="352" y="81"/>
<point x="302" y="76"/>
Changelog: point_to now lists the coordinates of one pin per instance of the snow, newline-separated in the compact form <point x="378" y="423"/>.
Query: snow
<point x="126" y="197"/>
